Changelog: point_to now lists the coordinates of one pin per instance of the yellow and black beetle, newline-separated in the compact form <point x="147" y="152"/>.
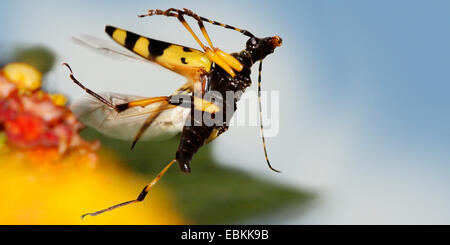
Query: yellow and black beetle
<point x="209" y="70"/>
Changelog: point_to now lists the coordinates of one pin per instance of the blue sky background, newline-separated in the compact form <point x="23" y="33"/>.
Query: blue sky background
<point x="364" y="117"/>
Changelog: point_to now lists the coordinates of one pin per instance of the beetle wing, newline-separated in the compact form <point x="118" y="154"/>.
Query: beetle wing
<point x="126" y="124"/>
<point x="106" y="48"/>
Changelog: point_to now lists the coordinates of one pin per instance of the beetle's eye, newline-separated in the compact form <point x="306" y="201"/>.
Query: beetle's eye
<point x="252" y="42"/>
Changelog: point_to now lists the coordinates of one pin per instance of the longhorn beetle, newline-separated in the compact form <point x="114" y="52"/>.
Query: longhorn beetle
<point x="208" y="70"/>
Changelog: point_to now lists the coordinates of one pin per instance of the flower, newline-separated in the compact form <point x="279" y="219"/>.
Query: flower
<point x="61" y="193"/>
<point x="34" y="121"/>
<point x="26" y="77"/>
<point x="49" y="174"/>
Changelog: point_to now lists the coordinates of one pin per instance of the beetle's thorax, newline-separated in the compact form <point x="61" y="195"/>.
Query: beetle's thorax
<point x="221" y="81"/>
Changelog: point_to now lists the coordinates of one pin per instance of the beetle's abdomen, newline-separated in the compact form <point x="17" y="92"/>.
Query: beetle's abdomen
<point x="192" y="138"/>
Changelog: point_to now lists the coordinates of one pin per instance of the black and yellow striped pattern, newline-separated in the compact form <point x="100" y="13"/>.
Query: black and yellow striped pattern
<point x="177" y="58"/>
<point x="173" y="12"/>
<point x="245" y="32"/>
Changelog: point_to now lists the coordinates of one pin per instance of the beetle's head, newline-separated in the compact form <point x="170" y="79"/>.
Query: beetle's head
<point x="259" y="48"/>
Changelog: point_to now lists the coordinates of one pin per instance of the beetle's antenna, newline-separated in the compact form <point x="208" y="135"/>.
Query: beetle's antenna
<point x="95" y="95"/>
<point x="260" y="119"/>
<point x="195" y="16"/>
<point x="172" y="12"/>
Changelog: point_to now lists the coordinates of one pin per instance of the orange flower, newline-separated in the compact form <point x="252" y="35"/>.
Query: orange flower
<point x="25" y="130"/>
<point x="34" y="120"/>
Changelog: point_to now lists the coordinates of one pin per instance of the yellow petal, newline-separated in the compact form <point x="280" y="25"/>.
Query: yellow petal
<point x="60" y="193"/>
<point x="58" y="99"/>
<point x="26" y="77"/>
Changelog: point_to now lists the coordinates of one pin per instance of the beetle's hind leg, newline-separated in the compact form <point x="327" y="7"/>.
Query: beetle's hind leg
<point x="141" y="196"/>
<point x="221" y="58"/>
<point x="172" y="12"/>
<point x="229" y="59"/>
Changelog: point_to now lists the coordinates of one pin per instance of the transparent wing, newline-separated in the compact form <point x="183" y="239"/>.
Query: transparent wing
<point x="126" y="124"/>
<point x="107" y="48"/>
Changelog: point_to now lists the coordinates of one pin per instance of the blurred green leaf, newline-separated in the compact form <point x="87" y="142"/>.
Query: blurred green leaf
<point x="211" y="194"/>
<point x="40" y="57"/>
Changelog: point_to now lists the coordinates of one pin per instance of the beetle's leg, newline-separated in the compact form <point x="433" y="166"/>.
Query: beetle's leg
<point x="165" y="102"/>
<point x="224" y="60"/>
<point x="179" y="15"/>
<point x="169" y="102"/>
<point x="141" y="196"/>
<point x="229" y="59"/>
<point x="185" y="90"/>
<point x="147" y="123"/>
